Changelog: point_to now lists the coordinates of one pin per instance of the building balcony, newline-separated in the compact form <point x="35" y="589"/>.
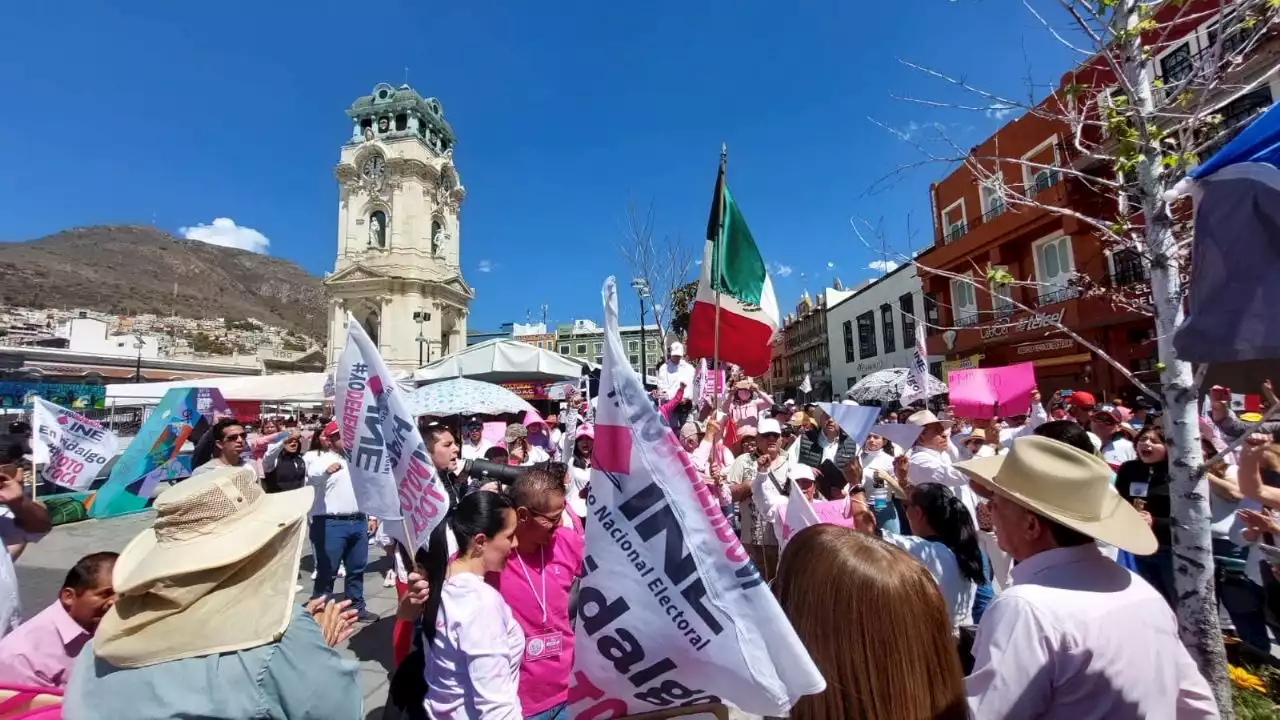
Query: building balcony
<point x="1003" y="221"/>
<point x="1057" y="295"/>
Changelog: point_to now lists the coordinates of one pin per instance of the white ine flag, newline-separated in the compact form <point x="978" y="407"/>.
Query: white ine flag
<point x="391" y="473"/>
<point x="70" y="448"/>
<point x="916" y="388"/>
<point x="806" y="386"/>
<point x="671" y="612"/>
<point x="796" y="516"/>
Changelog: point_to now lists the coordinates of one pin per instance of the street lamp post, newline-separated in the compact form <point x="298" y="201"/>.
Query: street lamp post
<point x="421" y="316"/>
<point x="642" y="290"/>
<point x="137" y="369"/>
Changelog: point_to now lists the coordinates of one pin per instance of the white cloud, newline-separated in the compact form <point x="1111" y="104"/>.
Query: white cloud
<point x="484" y="266"/>
<point x="1000" y="111"/>
<point x="698" y="263"/>
<point x="882" y="265"/>
<point x="224" y="231"/>
<point x="781" y="270"/>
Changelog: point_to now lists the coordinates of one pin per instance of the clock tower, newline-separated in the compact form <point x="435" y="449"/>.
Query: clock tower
<point x="398" y="267"/>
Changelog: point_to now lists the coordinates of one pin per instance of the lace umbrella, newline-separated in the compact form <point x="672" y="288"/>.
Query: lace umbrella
<point x="461" y="396"/>
<point x="885" y="387"/>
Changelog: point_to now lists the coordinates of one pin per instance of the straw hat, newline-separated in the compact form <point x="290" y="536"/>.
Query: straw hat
<point x="1066" y="485"/>
<point x="925" y="417"/>
<point x="219" y="544"/>
<point x="977" y="434"/>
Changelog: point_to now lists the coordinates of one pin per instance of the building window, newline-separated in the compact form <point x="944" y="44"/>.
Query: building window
<point x="867" y="335"/>
<point x="853" y="381"/>
<point x="633" y="346"/>
<point x="964" y="306"/>
<point x="1001" y="296"/>
<point x="849" y="355"/>
<point x="599" y="348"/>
<point x="635" y="361"/>
<point x="992" y="198"/>
<point x="1241" y="32"/>
<point x="931" y="309"/>
<point x="954" y="222"/>
<point x="886" y="328"/>
<point x="1038" y="179"/>
<point x="1054" y="267"/>
<point x="935" y="369"/>
<point x="1176" y="65"/>
<point x="581" y="350"/>
<point x="906" y="306"/>
<point x="564" y="348"/>
<point x="1127" y="268"/>
<point x="1235" y="115"/>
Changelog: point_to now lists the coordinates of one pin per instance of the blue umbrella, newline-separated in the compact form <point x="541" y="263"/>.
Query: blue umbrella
<point x="461" y="396"/>
<point x="1231" y="308"/>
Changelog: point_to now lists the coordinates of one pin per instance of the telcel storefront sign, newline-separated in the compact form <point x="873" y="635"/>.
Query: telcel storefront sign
<point x="1023" y="324"/>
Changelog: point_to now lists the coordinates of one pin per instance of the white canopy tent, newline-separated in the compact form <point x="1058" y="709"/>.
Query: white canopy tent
<point x="499" y="361"/>
<point x="292" y="387"/>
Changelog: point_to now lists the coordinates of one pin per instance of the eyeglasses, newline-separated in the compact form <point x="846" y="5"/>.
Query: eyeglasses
<point x="553" y="519"/>
<point x="233" y="438"/>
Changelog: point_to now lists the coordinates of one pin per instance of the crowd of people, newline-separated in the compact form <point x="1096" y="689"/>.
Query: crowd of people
<point x="1014" y="567"/>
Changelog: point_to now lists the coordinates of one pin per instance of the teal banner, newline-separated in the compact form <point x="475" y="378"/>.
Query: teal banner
<point x="18" y="394"/>
<point x="155" y="455"/>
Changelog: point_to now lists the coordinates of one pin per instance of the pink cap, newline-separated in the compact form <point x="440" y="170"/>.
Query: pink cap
<point x="532" y="418"/>
<point x="330" y="429"/>
<point x="586" y="431"/>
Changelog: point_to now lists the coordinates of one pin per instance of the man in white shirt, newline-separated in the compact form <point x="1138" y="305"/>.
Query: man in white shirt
<point x="674" y="372"/>
<point x="1024" y="425"/>
<point x="339" y="530"/>
<point x="473" y="445"/>
<point x="1116" y="448"/>
<point x="768" y="495"/>
<point x="1076" y="635"/>
<point x="930" y="460"/>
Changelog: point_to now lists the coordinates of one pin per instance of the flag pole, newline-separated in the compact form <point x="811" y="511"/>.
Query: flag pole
<point x="715" y="270"/>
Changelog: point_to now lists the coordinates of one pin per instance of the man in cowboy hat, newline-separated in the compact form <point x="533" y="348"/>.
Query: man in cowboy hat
<point x="206" y="623"/>
<point x="1076" y="635"/>
<point x="930" y="460"/>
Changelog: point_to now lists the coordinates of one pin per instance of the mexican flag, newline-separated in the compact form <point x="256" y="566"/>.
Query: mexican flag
<point x="733" y="268"/>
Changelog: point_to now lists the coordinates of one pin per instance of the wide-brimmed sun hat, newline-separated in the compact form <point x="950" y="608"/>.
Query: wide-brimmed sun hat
<point x="219" y="545"/>
<point x="1066" y="485"/>
<point x="926" y="417"/>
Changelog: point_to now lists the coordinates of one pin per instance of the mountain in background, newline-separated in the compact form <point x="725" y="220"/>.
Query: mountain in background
<point x="132" y="270"/>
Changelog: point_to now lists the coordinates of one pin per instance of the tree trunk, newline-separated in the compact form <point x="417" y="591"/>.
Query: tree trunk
<point x="1196" y="603"/>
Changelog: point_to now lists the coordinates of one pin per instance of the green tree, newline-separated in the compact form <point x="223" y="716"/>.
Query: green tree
<point x="682" y="306"/>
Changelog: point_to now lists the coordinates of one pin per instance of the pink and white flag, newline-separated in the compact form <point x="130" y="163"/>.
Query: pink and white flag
<point x="391" y="472"/>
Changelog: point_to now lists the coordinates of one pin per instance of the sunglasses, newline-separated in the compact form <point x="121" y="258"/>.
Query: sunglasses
<point x="233" y="438"/>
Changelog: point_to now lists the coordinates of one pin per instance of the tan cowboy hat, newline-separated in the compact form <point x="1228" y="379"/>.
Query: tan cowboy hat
<point x="925" y="417"/>
<point x="219" y="545"/>
<point x="1066" y="485"/>
<point x="977" y="434"/>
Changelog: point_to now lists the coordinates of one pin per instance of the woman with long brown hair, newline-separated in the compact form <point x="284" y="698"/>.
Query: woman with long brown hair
<point x="875" y="623"/>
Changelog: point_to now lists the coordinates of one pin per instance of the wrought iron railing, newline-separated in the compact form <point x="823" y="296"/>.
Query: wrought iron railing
<point x="957" y="231"/>
<point x="967" y="320"/>
<point x="1057" y="296"/>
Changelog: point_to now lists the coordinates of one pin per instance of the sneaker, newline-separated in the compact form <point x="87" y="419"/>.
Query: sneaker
<point x="390" y="579"/>
<point x="365" y="617"/>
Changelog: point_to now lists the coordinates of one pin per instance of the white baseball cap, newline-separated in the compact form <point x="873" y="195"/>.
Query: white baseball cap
<point x="676" y="349"/>
<point x="768" y="425"/>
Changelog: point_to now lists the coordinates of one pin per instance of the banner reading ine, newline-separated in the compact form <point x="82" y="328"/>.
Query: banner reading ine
<point x="391" y="473"/>
<point x="671" y="612"/>
<point x="71" y="449"/>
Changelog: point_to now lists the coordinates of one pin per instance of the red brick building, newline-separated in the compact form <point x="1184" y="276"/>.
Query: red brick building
<point x="975" y="228"/>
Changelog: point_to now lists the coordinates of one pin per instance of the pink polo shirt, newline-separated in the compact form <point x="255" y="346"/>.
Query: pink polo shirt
<point x="548" y="656"/>
<point x="42" y="650"/>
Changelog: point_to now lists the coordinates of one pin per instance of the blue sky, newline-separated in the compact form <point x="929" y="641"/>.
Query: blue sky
<point x="178" y="113"/>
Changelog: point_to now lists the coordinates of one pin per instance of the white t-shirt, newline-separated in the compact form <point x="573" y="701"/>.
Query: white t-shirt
<point x="579" y="478"/>
<point x="474" y="452"/>
<point x="957" y="590"/>
<point x="1118" y="452"/>
<point x="334" y="494"/>
<point x="473" y="666"/>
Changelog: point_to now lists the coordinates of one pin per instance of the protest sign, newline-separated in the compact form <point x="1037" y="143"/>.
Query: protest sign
<point x="391" y="473"/>
<point x="900" y="434"/>
<point x="988" y="392"/>
<point x="70" y="449"/>
<point x="794" y="517"/>
<point x="833" y="512"/>
<point x="855" y="420"/>
<point x="916" y="388"/>
<point x="155" y="453"/>
<point x="671" y="611"/>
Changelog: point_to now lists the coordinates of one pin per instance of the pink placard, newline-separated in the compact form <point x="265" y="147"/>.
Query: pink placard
<point x="989" y="392"/>
<point x="495" y="433"/>
<point x="831" y="512"/>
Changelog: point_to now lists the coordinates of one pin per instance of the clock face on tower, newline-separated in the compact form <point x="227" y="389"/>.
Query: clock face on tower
<point x="373" y="169"/>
